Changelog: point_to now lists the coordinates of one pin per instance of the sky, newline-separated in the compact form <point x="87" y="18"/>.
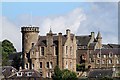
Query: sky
<point x="81" y="18"/>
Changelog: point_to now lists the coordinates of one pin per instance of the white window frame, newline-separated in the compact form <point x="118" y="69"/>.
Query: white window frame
<point x="29" y="73"/>
<point x="117" y="62"/>
<point x="103" y="61"/>
<point x="19" y="74"/>
<point x="110" y="61"/>
<point x="97" y="62"/>
<point x="98" y="55"/>
<point x="104" y="56"/>
<point x="50" y="65"/>
<point x="33" y="66"/>
<point x="110" y="55"/>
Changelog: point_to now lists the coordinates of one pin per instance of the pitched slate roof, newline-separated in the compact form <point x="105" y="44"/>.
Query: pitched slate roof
<point x="24" y="72"/>
<point x="42" y="40"/>
<point x="98" y="73"/>
<point x="111" y="45"/>
<point x="92" y="45"/>
<point x="107" y="51"/>
<point x="83" y="40"/>
<point x="8" y="70"/>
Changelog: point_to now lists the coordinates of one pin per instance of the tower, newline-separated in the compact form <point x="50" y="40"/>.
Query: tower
<point x="29" y="39"/>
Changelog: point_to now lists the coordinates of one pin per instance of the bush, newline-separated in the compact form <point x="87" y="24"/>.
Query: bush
<point x="64" y="74"/>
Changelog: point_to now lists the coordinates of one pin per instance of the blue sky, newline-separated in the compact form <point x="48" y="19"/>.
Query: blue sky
<point x="81" y="17"/>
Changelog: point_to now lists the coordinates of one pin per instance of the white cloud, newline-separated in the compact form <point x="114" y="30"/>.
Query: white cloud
<point x="11" y="32"/>
<point x="77" y="21"/>
<point x="71" y="21"/>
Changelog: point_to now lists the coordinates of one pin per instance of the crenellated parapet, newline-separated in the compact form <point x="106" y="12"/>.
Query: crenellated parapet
<point x="29" y="29"/>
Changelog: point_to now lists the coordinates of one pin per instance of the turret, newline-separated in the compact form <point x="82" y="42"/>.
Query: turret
<point x="29" y="39"/>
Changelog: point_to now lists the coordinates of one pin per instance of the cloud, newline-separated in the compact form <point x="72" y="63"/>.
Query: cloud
<point x="101" y="17"/>
<point x="11" y="32"/>
<point x="79" y="21"/>
<point x="71" y="21"/>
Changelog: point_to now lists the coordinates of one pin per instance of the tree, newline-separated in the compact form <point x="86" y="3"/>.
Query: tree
<point x="64" y="74"/>
<point x="68" y="75"/>
<point x="80" y="67"/>
<point x="57" y="74"/>
<point x="16" y="63"/>
<point x="7" y="48"/>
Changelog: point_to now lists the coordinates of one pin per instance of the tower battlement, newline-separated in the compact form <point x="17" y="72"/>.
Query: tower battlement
<point x="29" y="29"/>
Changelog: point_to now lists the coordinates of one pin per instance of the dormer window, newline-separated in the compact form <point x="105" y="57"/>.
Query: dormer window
<point x="110" y="55"/>
<point x="19" y="73"/>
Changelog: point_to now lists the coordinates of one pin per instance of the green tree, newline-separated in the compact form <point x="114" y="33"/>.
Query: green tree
<point x="57" y="74"/>
<point x="68" y="75"/>
<point x="17" y="62"/>
<point x="64" y="74"/>
<point x="80" y="67"/>
<point x="7" y="48"/>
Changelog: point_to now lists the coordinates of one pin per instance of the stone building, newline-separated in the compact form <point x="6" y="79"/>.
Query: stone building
<point x="43" y="53"/>
<point x="85" y="46"/>
<point x="106" y="58"/>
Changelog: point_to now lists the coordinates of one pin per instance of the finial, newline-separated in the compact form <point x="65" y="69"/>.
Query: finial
<point x="50" y="30"/>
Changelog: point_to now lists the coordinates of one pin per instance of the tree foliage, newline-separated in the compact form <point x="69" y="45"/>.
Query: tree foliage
<point x="68" y="75"/>
<point x="16" y="63"/>
<point x="80" y="67"/>
<point x="57" y="73"/>
<point x="7" y="48"/>
<point x="64" y="74"/>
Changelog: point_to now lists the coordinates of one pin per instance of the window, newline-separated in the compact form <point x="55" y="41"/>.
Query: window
<point x="32" y="52"/>
<point x="98" y="55"/>
<point x="40" y="64"/>
<point x="71" y="50"/>
<point x="32" y="44"/>
<point x="104" y="56"/>
<point x="29" y="73"/>
<point x="66" y="65"/>
<point x="110" y="61"/>
<point x="110" y="55"/>
<point x="50" y="65"/>
<point x="103" y="61"/>
<point x="117" y="61"/>
<point x="98" y="61"/>
<point x="66" y="49"/>
<point x="42" y="51"/>
<point x="26" y="65"/>
<point x="40" y="73"/>
<point x="19" y="73"/>
<point x="47" y="65"/>
<point x="32" y="66"/>
<point x="115" y="56"/>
